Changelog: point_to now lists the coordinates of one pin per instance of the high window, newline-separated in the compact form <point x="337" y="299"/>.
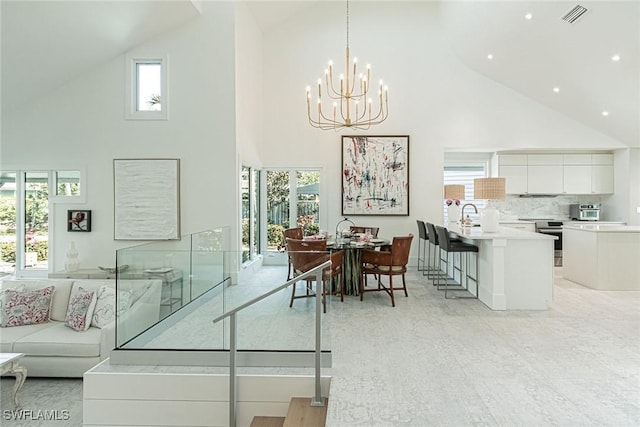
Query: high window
<point x="147" y="88"/>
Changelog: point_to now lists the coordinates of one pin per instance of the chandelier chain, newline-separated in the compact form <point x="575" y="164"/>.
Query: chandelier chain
<point x="347" y="23"/>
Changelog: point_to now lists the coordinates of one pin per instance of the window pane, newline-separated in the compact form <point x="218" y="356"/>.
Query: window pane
<point x="67" y="183"/>
<point x="149" y="84"/>
<point x="36" y="220"/>
<point x="7" y="223"/>
<point x="308" y="185"/>
<point x="277" y="208"/>
<point x="464" y="175"/>
<point x="246" y="213"/>
<point x="255" y="203"/>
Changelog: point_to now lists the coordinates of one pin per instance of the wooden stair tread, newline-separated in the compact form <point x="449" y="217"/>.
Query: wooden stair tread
<point x="259" y="421"/>
<point x="302" y="414"/>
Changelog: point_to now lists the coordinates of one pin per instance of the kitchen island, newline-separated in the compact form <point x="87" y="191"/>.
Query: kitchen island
<point x="515" y="267"/>
<point x="605" y="257"/>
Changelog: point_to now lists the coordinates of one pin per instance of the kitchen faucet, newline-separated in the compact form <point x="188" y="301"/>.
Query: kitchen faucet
<point x="462" y="214"/>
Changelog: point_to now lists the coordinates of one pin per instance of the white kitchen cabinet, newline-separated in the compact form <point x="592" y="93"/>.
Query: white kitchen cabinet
<point x="515" y="179"/>
<point x="544" y="159"/>
<point x="581" y="173"/>
<point x="577" y="179"/>
<point x="576" y="159"/>
<point x="545" y="179"/>
<point x="602" y="179"/>
<point x="602" y="159"/>
<point x="512" y="160"/>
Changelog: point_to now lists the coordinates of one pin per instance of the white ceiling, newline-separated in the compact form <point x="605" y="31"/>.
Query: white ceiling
<point x="47" y="43"/>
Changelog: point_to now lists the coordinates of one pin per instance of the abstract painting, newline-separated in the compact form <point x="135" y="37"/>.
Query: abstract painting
<point x="147" y="199"/>
<point x="375" y="175"/>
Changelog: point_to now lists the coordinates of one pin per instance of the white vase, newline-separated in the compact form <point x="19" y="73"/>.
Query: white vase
<point x="489" y="218"/>
<point x="453" y="211"/>
<point x="71" y="260"/>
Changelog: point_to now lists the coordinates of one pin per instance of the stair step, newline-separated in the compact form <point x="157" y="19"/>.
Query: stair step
<point x="302" y="414"/>
<point x="259" y="421"/>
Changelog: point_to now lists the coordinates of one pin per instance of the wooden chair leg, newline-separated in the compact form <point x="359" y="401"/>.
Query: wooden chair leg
<point x="404" y="286"/>
<point x="393" y="301"/>
<point x="293" y="294"/>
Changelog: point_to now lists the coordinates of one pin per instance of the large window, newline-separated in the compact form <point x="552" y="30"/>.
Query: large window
<point x="25" y="200"/>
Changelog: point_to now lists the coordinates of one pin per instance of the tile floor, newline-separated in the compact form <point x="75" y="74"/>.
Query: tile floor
<point x="436" y="362"/>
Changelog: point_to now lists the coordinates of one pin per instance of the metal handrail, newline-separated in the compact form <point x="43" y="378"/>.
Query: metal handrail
<point x="317" y="400"/>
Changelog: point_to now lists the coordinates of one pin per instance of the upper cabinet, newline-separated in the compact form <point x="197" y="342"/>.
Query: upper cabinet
<point x="557" y="173"/>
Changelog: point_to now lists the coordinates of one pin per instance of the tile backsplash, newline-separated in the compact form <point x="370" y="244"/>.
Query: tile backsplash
<point x="514" y="207"/>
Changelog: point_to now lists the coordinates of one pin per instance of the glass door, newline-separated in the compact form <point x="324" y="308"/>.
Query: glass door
<point x="292" y="200"/>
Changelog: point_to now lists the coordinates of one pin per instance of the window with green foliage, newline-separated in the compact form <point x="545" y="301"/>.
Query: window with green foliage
<point x="25" y="200"/>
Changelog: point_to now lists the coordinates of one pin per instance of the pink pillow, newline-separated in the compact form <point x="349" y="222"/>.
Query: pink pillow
<point x="28" y="307"/>
<point x="80" y="311"/>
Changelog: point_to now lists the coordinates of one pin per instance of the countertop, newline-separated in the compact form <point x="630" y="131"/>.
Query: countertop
<point x="603" y="228"/>
<point x="502" y="233"/>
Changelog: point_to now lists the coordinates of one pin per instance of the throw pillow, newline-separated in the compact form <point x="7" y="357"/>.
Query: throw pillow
<point x="105" y="311"/>
<point x="4" y="298"/>
<point x="27" y="307"/>
<point x="81" y="306"/>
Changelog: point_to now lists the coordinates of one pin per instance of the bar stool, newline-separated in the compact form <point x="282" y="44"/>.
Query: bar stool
<point x="433" y="265"/>
<point x="422" y="240"/>
<point x="452" y="247"/>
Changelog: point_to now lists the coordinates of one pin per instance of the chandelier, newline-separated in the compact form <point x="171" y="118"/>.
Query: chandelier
<point x="352" y="108"/>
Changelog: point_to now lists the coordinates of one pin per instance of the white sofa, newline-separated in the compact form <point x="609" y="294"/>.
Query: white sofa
<point x="53" y="349"/>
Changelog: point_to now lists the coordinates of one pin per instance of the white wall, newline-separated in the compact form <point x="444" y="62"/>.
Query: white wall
<point x="82" y="125"/>
<point x="433" y="98"/>
<point x="249" y="84"/>
<point x="624" y="202"/>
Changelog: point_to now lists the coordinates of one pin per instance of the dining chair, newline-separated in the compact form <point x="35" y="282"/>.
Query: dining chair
<point x="291" y="233"/>
<point x="308" y="254"/>
<point x="386" y="263"/>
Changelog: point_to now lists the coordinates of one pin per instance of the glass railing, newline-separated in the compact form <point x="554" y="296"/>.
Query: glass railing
<point x="156" y="280"/>
<point x="184" y="285"/>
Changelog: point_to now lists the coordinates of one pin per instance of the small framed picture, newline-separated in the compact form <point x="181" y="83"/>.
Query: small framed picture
<point x="78" y="220"/>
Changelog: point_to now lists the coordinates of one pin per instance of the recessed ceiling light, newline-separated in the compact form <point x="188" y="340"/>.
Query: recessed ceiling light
<point x="490" y="56"/>
<point x="616" y="58"/>
<point x="605" y="113"/>
<point x="556" y="89"/>
<point x="528" y="16"/>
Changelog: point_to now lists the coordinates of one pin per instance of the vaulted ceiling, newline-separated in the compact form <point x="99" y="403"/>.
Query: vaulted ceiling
<point x="45" y="44"/>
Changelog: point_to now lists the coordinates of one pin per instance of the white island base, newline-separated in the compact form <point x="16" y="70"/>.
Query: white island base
<point x="515" y="267"/>
<point x="605" y="257"/>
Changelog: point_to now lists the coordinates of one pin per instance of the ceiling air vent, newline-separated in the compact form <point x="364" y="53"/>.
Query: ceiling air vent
<point x="575" y="13"/>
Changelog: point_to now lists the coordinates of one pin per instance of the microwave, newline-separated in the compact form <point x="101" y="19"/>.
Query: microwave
<point x="585" y="212"/>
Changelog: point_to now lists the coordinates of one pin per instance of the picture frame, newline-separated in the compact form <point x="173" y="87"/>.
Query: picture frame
<point x="79" y="220"/>
<point x="146" y="199"/>
<point x="375" y="175"/>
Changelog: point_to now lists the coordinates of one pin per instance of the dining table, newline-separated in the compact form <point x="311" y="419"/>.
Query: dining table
<point x="351" y="264"/>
